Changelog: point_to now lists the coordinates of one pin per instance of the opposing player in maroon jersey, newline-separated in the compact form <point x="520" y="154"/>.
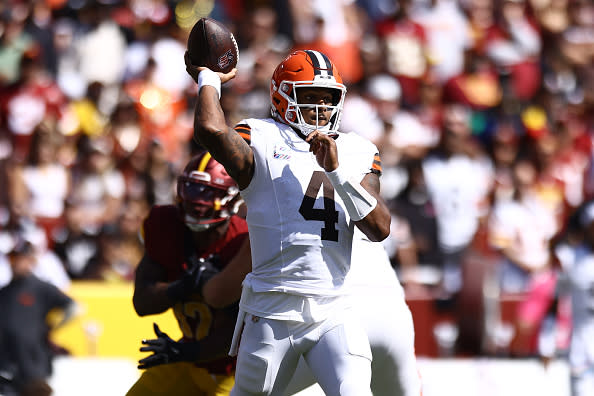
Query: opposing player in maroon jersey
<point x="196" y="255"/>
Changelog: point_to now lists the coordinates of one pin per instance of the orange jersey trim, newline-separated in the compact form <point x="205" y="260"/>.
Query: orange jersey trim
<point x="244" y="131"/>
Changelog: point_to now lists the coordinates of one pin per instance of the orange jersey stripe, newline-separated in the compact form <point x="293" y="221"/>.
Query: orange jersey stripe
<point x="377" y="163"/>
<point x="244" y="131"/>
<point x="245" y="136"/>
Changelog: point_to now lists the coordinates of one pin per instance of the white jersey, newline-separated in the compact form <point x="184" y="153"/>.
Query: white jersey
<point x="526" y="226"/>
<point x="459" y="186"/>
<point x="578" y="280"/>
<point x="300" y="233"/>
<point x="371" y="268"/>
<point x="48" y="188"/>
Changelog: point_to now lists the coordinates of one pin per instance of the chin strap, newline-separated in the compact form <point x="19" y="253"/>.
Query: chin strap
<point x="359" y="203"/>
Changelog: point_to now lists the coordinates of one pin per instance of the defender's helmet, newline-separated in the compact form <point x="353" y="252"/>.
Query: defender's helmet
<point x="305" y="69"/>
<point x="206" y="194"/>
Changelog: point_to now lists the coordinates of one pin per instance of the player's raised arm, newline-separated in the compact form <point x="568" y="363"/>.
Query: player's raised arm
<point x="225" y="145"/>
<point x="210" y="127"/>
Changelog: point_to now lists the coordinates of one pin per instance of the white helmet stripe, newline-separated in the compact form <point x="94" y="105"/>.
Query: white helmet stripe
<point x="321" y="63"/>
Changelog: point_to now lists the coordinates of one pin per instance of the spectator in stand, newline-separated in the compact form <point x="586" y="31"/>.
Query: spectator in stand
<point x="577" y="40"/>
<point x="160" y="109"/>
<point x="261" y="50"/>
<point x="513" y="44"/>
<point x="404" y="136"/>
<point x="571" y="158"/>
<point x="67" y="73"/>
<point x="504" y="147"/>
<point x="477" y="86"/>
<point x="448" y="36"/>
<point x="34" y="98"/>
<point x="43" y="183"/>
<point x="376" y="115"/>
<point x="132" y="150"/>
<point x="119" y="245"/>
<point x="419" y="262"/>
<point x="543" y="144"/>
<point x="459" y="179"/>
<point x="98" y="185"/>
<point x="75" y="243"/>
<point x="521" y="228"/>
<point x="333" y="27"/>
<point x="588" y="117"/>
<point x="430" y="107"/>
<point x="100" y="47"/>
<point x="39" y="25"/>
<point x="481" y="18"/>
<point x="367" y="111"/>
<point x="15" y="42"/>
<point x="159" y="176"/>
<point x="398" y="132"/>
<point x="372" y="56"/>
<point x="85" y="115"/>
<point x="552" y="16"/>
<point x="405" y="45"/>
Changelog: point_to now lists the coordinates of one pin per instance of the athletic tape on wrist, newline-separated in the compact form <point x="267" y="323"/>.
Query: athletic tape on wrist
<point x="359" y="203"/>
<point x="208" y="77"/>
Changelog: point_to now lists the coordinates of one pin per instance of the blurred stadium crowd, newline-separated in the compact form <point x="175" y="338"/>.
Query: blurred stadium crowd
<point x="483" y="111"/>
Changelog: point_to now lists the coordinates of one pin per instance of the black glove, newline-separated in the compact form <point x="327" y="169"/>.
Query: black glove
<point x="165" y="350"/>
<point x="193" y="279"/>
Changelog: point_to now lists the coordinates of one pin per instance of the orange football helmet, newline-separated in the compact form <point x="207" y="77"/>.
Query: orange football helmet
<point x="305" y="69"/>
<point x="206" y="194"/>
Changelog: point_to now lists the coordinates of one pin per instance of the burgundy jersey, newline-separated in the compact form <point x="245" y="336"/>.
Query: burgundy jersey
<point x="165" y="236"/>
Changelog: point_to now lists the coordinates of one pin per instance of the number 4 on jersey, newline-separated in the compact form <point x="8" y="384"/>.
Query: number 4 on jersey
<point x="329" y="215"/>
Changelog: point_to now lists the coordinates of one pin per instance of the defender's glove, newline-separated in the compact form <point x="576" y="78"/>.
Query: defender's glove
<point x="193" y="279"/>
<point x="165" y="350"/>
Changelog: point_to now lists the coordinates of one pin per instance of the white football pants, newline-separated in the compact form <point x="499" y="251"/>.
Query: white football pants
<point x="337" y="351"/>
<point x="388" y="322"/>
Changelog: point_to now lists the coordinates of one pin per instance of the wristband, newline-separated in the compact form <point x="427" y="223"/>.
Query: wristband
<point x="358" y="202"/>
<point x="208" y="77"/>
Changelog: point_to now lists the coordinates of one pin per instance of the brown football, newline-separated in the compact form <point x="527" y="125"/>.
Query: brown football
<point x="211" y="44"/>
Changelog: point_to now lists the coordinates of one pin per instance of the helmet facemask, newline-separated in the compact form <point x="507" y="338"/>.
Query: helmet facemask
<point x="293" y="114"/>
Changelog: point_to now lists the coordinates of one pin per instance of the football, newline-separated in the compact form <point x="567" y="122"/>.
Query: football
<point x="211" y="44"/>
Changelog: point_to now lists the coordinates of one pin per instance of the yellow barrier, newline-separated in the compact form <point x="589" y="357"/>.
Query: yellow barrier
<point x="108" y="325"/>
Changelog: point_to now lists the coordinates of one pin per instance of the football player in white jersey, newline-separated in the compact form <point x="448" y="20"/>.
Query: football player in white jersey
<point x="371" y="282"/>
<point x="577" y="280"/>
<point x="306" y="187"/>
